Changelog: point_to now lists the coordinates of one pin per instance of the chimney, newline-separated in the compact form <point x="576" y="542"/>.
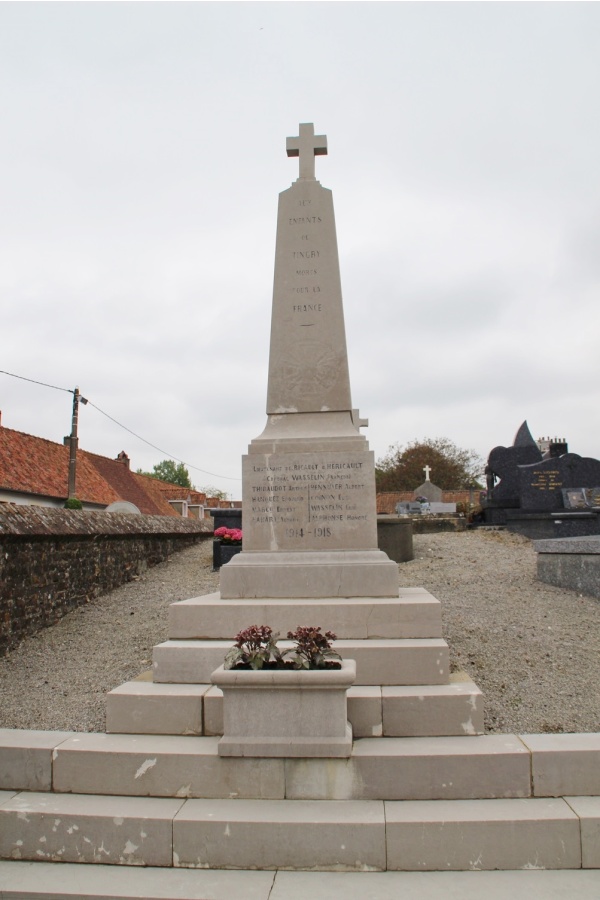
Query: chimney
<point x="122" y="457"/>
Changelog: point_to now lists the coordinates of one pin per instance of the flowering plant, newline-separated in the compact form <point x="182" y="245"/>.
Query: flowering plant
<point x="256" y="648"/>
<point x="229" y="535"/>
<point x="422" y="500"/>
<point x="313" y="649"/>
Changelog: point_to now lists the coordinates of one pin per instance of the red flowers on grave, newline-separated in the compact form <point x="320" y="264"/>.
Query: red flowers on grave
<point x="229" y="535"/>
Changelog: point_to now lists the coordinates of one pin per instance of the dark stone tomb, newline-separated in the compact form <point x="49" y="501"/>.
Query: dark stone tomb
<point x="230" y="518"/>
<point x="541" y="495"/>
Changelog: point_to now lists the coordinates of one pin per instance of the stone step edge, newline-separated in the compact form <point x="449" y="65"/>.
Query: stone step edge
<point x="390" y="826"/>
<point x="414" y="613"/>
<point x="373" y="711"/>
<point x="559" y="764"/>
<point x="391" y="661"/>
<point x="49" y="881"/>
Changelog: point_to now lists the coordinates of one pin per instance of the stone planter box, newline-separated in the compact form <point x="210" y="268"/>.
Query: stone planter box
<point x="286" y="712"/>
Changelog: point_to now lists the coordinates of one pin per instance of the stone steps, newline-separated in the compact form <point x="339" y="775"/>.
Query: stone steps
<point x="47" y="881"/>
<point x="410" y="661"/>
<point x="415" y="613"/>
<point x="145" y="707"/>
<point x="477" y="767"/>
<point x="406" y="804"/>
<point x="365" y="836"/>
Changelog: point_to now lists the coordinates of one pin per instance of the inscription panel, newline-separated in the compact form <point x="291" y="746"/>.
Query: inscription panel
<point x="546" y="479"/>
<point x="541" y="486"/>
<point x="309" y="501"/>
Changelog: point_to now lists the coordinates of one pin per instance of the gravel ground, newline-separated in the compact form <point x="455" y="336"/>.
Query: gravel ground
<point x="533" y="649"/>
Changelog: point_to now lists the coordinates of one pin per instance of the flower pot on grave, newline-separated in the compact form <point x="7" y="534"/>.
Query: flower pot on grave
<point x="286" y="712"/>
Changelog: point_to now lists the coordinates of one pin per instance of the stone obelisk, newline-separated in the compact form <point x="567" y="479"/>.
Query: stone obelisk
<point x="309" y="513"/>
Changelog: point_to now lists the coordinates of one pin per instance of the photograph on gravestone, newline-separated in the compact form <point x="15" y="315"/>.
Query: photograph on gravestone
<point x="574" y="498"/>
<point x="309" y="478"/>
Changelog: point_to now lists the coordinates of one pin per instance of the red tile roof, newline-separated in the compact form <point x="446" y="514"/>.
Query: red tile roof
<point x="160" y="492"/>
<point x="128" y="486"/>
<point x="33" y="465"/>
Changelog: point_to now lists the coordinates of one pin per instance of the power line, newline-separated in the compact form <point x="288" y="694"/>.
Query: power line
<point x="120" y="424"/>
<point x="154" y="447"/>
<point x="32" y="380"/>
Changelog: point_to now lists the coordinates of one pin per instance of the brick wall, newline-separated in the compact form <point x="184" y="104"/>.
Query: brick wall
<point x="53" y="560"/>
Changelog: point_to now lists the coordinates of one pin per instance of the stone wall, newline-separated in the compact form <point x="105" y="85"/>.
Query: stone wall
<point x="53" y="560"/>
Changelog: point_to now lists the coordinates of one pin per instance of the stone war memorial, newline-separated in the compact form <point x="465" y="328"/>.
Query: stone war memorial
<point x="381" y="764"/>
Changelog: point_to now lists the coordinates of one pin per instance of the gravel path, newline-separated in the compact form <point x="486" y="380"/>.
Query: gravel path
<point x="533" y="649"/>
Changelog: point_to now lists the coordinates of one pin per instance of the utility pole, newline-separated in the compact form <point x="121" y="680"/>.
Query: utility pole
<point x="73" y="443"/>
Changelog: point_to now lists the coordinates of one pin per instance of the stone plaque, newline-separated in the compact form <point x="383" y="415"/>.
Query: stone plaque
<point x="309" y="501"/>
<point x="574" y="498"/>
<point x="592" y="496"/>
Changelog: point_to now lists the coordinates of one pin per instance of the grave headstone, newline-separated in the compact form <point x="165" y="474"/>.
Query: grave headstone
<point x="228" y="518"/>
<point x="540" y="495"/>
<point x="503" y="465"/>
<point x="438" y="509"/>
<point x="309" y="478"/>
<point x="430" y="491"/>
<point x="541" y="485"/>
<point x="408" y="508"/>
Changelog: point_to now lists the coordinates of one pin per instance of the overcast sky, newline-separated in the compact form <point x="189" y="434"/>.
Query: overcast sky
<point x="142" y="153"/>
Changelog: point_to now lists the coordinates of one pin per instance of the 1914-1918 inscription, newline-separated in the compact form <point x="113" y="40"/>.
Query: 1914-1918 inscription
<point x="308" y="501"/>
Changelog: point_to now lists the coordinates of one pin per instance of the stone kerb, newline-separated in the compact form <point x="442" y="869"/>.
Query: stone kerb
<point x="572" y="563"/>
<point x="487" y="766"/>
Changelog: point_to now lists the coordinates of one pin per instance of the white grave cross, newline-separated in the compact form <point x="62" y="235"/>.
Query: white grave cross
<point x="427" y="470"/>
<point x="307" y="145"/>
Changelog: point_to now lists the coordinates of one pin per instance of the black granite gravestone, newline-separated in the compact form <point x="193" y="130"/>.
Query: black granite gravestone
<point x="527" y="491"/>
<point x="541" y="485"/>
<point x="230" y="518"/>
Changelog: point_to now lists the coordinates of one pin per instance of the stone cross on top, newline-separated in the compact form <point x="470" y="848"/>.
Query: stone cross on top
<point x="307" y="145"/>
<point x="427" y="470"/>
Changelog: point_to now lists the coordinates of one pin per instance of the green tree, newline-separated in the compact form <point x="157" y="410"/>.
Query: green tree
<point x="452" y="468"/>
<point x="168" y="470"/>
<point x="213" y="492"/>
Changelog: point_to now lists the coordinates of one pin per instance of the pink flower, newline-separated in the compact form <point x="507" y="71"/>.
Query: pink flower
<point x="229" y="534"/>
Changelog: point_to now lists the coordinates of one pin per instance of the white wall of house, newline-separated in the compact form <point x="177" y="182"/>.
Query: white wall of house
<point x="28" y="499"/>
<point x="23" y="499"/>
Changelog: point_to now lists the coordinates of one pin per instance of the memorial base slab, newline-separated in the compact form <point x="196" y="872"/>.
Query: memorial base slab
<point x="352" y="573"/>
